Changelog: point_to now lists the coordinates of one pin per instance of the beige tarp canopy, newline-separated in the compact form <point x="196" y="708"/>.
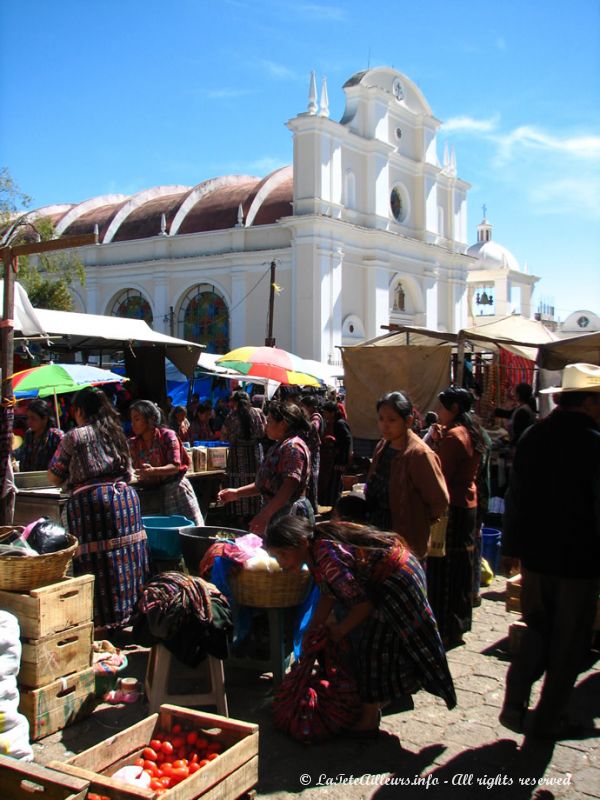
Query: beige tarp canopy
<point x="576" y="349"/>
<point x="417" y="361"/>
<point x="389" y="364"/>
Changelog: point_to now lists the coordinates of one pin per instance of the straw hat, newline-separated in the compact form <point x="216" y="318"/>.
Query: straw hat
<point x="577" y="378"/>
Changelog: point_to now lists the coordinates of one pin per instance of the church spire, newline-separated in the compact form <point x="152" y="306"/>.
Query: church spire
<point x="324" y="112"/>
<point x="484" y="229"/>
<point x="312" y="93"/>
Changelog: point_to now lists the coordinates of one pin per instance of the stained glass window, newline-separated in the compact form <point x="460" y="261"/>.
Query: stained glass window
<point x="132" y="304"/>
<point x="204" y="318"/>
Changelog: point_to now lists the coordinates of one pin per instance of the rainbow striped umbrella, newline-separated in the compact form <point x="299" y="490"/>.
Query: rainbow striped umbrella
<point x="51" y="379"/>
<point x="270" y="363"/>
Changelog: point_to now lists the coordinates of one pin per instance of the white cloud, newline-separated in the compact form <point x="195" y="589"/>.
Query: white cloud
<point x="226" y="93"/>
<point x="470" y="125"/>
<point x="317" y="11"/>
<point x="586" y="147"/>
<point x="277" y="70"/>
<point x="579" y="196"/>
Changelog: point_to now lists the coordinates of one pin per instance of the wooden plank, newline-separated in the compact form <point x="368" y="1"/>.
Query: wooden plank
<point x="39" y="780"/>
<point x="50" y="609"/>
<point x="102" y="755"/>
<point x="205" y="719"/>
<point x="45" y="660"/>
<point x="230" y="788"/>
<point x="102" y="784"/>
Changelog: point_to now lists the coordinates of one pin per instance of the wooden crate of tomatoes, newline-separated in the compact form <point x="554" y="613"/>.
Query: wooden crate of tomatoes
<point x="177" y="754"/>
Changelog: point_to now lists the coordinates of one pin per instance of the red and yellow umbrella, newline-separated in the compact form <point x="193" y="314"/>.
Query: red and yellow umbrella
<point x="270" y="363"/>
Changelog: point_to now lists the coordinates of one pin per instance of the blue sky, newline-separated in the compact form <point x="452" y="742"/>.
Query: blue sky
<point x="102" y="96"/>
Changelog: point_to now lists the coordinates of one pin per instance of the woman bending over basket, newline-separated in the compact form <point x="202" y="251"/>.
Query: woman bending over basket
<point x="381" y="584"/>
<point x="103" y="512"/>
<point x="282" y="478"/>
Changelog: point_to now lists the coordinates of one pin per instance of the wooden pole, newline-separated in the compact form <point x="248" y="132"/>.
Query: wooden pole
<point x="460" y="361"/>
<point x="270" y="341"/>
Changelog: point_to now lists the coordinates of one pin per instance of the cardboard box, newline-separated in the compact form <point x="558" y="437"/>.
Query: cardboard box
<point x="228" y="777"/>
<point x="45" y="660"/>
<point x="50" y="609"/>
<point x="56" y="705"/>
<point x="24" y="781"/>
<point x="513" y="594"/>
<point x="217" y="457"/>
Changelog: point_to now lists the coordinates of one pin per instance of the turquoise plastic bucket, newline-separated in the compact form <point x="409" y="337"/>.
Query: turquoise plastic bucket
<point x="163" y="535"/>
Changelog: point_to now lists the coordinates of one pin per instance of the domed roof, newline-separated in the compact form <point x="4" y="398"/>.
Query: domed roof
<point x="211" y="205"/>
<point x="490" y="254"/>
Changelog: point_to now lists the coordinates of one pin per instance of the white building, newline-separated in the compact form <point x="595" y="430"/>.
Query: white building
<point x="366" y="228"/>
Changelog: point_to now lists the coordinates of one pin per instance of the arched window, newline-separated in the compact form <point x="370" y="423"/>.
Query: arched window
<point x="204" y="318"/>
<point x="131" y="304"/>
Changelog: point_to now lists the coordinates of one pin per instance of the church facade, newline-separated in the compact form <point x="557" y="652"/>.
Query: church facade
<point x="367" y="227"/>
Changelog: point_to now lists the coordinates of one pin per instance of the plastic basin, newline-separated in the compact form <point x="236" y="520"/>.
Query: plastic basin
<point x="163" y="535"/>
<point x="195" y="541"/>
<point x="491" y="545"/>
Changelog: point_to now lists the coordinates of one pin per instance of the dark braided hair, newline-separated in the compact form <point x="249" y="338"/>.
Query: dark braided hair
<point x="293" y="531"/>
<point x="241" y="401"/>
<point x="97" y="410"/>
<point x="455" y="395"/>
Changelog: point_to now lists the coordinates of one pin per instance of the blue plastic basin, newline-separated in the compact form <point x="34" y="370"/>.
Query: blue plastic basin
<point x="163" y="535"/>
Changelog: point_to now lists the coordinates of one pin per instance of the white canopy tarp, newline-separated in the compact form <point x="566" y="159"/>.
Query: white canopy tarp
<point x="519" y="335"/>
<point x="73" y="331"/>
<point x="26" y="318"/>
<point x="573" y="350"/>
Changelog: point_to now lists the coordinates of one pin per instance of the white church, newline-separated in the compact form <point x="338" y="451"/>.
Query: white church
<point x="366" y="228"/>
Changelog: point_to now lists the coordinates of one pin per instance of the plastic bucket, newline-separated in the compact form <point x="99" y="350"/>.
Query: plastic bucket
<point x="491" y="544"/>
<point x="163" y="535"/>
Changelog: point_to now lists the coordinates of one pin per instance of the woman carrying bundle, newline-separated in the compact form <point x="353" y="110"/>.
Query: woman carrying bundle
<point x="381" y="585"/>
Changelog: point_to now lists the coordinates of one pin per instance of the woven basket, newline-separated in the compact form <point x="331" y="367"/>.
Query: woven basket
<point x="22" y="573"/>
<point x="263" y="589"/>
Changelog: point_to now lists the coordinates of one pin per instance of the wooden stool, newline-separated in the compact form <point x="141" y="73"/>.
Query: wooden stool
<point x="158" y="674"/>
<point x="279" y="659"/>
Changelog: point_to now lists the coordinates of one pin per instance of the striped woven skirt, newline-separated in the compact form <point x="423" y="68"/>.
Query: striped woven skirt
<point x="399" y="649"/>
<point x="450" y="579"/>
<point x="107" y="521"/>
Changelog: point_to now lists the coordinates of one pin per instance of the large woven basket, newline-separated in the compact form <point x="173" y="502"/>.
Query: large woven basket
<point x="263" y="589"/>
<point x="22" y="573"/>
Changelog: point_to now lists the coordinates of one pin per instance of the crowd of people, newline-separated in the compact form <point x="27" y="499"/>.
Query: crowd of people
<point x="401" y="605"/>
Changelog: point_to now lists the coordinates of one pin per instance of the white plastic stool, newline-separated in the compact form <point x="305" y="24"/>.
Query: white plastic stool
<point x="158" y="673"/>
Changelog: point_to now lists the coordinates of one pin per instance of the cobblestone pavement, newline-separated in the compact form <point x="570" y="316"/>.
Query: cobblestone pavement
<point x="428" y="752"/>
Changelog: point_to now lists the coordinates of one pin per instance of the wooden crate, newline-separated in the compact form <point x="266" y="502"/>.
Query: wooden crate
<point x="45" y="660"/>
<point x="228" y="777"/>
<point x="50" y="609"/>
<point x="56" y="705"/>
<point x="24" y="781"/>
<point x="513" y="594"/>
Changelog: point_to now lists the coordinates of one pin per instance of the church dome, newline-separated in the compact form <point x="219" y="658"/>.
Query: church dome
<point x="490" y="254"/>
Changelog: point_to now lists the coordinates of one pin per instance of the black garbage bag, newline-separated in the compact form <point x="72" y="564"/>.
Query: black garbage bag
<point x="47" y="536"/>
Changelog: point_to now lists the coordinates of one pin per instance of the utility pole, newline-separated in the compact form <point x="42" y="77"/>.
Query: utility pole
<point x="270" y="341"/>
<point x="9" y="261"/>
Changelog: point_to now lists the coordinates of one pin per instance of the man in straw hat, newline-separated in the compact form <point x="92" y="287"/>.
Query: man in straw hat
<point x="552" y="524"/>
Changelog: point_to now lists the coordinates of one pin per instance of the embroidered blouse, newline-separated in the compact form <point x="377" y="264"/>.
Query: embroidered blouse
<point x="165" y="448"/>
<point x="82" y="458"/>
<point x="289" y="458"/>
<point x="36" y="454"/>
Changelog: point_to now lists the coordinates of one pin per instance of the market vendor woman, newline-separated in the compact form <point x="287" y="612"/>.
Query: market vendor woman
<point x="160" y="460"/>
<point x="381" y="586"/>
<point x="41" y="438"/>
<point x="103" y="511"/>
<point x="283" y="476"/>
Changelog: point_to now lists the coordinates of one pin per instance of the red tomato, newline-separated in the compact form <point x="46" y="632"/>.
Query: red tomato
<point x="149" y="754"/>
<point x="178" y="741"/>
<point x="215" y="747"/>
<point x="179" y="764"/>
<point x="150" y="766"/>
<point x="204" y="762"/>
<point x="194" y="768"/>
<point x="166" y="781"/>
<point x="178" y="775"/>
<point x="176" y="729"/>
<point x="201" y="744"/>
<point x="160" y="757"/>
<point x="167" y="748"/>
<point x="192" y="737"/>
<point x="212" y="756"/>
<point x="139" y="762"/>
<point x="156" y="784"/>
<point x="194" y="758"/>
<point x="156" y="744"/>
<point x="182" y="752"/>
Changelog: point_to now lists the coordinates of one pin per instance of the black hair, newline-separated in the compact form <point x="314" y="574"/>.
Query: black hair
<point x="351" y="508"/>
<point x="430" y="418"/>
<point x="241" y="401"/>
<point x="149" y="410"/>
<point x="294" y="531"/>
<point x="310" y="401"/>
<point x="456" y="395"/>
<point x="291" y="413"/>
<point x="43" y="410"/>
<point x="99" y="413"/>
<point x="524" y="393"/>
<point x="332" y="407"/>
<point x="398" y="402"/>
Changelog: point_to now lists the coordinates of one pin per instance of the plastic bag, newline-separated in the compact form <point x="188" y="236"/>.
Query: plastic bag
<point x="46" y="536"/>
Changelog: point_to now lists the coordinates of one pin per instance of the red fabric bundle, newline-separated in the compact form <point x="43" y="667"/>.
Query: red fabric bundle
<point x="318" y="697"/>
